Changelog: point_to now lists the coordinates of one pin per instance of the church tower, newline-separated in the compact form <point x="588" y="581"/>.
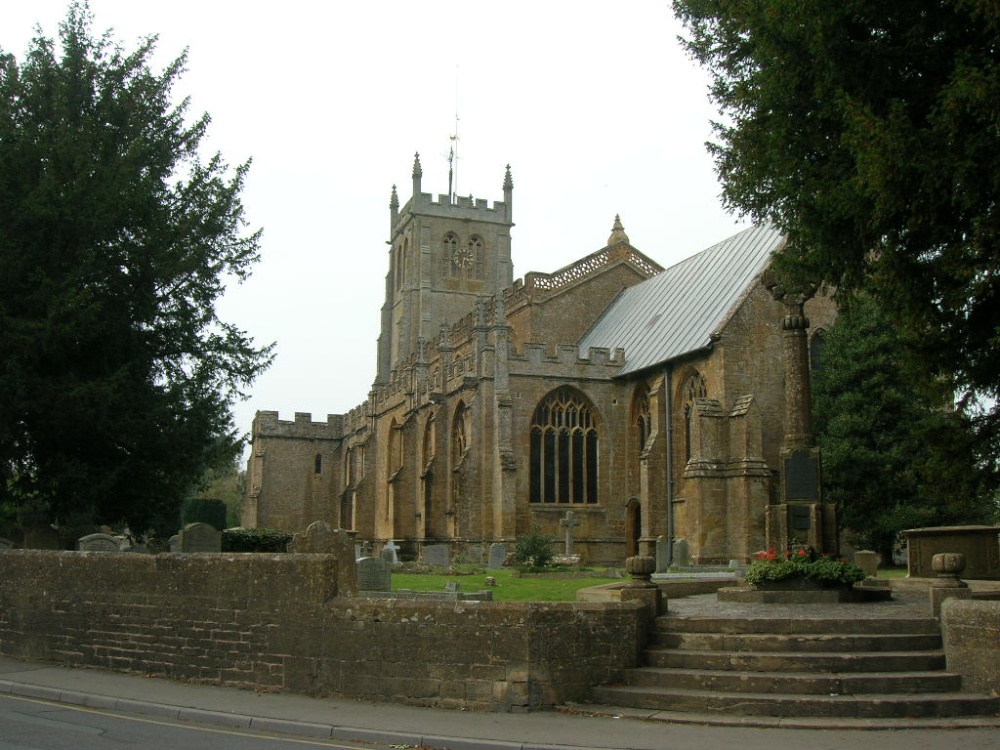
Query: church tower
<point x="443" y="255"/>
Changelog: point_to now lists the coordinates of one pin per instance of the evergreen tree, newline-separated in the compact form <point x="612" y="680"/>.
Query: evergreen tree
<point x="867" y="132"/>
<point x="895" y="455"/>
<point x="116" y="239"/>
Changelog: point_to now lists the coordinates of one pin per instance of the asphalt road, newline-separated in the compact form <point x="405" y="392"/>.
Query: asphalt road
<point x="29" y="724"/>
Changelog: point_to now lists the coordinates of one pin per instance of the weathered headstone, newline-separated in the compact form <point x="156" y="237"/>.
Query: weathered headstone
<point x="175" y="543"/>
<point x="200" y="537"/>
<point x="474" y="554"/>
<point x="436" y="554"/>
<point x="6" y="543"/>
<point x="498" y="553"/>
<point x="662" y="554"/>
<point x="452" y="586"/>
<point x="569" y="523"/>
<point x="99" y="543"/>
<point x="682" y="554"/>
<point x="389" y="551"/>
<point x="42" y="537"/>
<point x="374" y="574"/>
<point x="317" y="538"/>
<point x="867" y="561"/>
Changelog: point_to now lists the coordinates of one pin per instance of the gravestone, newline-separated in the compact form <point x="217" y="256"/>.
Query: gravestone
<point x="682" y="554"/>
<point x="374" y="574"/>
<point x="498" y="553"/>
<point x="200" y="537"/>
<point x="436" y="554"/>
<point x="474" y="554"/>
<point x="569" y="523"/>
<point x="42" y="537"/>
<point x="867" y="561"/>
<point x="662" y="555"/>
<point x="6" y="543"/>
<point x="317" y="538"/>
<point x="175" y="543"/>
<point x="388" y="552"/>
<point x="452" y="586"/>
<point x="99" y="543"/>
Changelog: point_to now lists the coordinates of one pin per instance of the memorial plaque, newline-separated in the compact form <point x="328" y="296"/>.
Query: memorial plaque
<point x="801" y="476"/>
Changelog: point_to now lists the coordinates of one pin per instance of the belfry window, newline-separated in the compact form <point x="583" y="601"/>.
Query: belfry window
<point x="563" y="445"/>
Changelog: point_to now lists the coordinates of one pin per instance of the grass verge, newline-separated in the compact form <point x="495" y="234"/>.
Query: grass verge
<point x="509" y="587"/>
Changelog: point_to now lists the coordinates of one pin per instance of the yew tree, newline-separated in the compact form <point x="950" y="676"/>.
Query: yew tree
<point x="117" y="237"/>
<point x="869" y="132"/>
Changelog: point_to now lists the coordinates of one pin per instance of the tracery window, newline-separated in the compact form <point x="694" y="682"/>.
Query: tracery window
<point x="694" y="388"/>
<point x="564" y="441"/>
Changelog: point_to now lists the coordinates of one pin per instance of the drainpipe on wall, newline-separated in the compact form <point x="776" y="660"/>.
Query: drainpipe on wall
<point x="668" y="408"/>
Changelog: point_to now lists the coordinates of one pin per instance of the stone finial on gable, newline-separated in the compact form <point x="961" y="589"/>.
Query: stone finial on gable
<point x="617" y="232"/>
<point x="508" y="183"/>
<point x="394" y="200"/>
<point x="417" y="171"/>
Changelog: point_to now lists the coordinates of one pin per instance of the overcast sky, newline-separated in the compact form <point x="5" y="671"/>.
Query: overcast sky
<point x="594" y="105"/>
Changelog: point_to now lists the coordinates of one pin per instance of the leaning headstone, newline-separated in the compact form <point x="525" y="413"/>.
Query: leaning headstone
<point x="436" y="554"/>
<point x="6" y="543"/>
<point x="498" y="553"/>
<point x="200" y="537"/>
<point x="374" y="574"/>
<point x="99" y="543"/>
<point x="42" y="537"/>
<point x="389" y="551"/>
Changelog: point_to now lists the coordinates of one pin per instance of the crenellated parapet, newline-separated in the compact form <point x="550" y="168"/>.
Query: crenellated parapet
<point x="268" y="424"/>
<point x="534" y="358"/>
<point x="463" y="209"/>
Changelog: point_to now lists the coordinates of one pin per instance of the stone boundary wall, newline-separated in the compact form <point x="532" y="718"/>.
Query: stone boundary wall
<point x="971" y="633"/>
<point x="276" y="622"/>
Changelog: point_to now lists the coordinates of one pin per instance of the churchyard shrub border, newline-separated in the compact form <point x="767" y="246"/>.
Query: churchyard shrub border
<point x="534" y="550"/>
<point x="255" y="540"/>
<point x="802" y="563"/>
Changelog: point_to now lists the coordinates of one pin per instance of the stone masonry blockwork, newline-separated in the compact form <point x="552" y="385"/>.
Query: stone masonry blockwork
<point x="279" y="623"/>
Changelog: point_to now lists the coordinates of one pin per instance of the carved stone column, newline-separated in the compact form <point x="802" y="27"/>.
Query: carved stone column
<point x="801" y="515"/>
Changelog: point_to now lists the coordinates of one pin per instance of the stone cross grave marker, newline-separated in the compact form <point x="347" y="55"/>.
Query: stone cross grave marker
<point x="98" y="543"/>
<point x="569" y="523"/>
<point x="200" y="537"/>
<point x="374" y="574"/>
<point x="389" y="552"/>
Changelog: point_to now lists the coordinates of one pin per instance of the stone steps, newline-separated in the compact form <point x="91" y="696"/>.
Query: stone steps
<point x="808" y="668"/>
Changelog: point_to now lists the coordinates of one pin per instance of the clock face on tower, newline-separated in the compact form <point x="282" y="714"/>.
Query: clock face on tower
<point x="462" y="257"/>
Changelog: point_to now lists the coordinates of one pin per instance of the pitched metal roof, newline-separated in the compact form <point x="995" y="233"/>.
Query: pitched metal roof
<point x="677" y="311"/>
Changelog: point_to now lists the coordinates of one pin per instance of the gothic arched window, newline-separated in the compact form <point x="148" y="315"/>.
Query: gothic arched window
<point x="459" y="434"/>
<point x="564" y="441"/>
<point x="449" y="251"/>
<point x="640" y="418"/>
<point x="694" y="388"/>
<point x="474" y="252"/>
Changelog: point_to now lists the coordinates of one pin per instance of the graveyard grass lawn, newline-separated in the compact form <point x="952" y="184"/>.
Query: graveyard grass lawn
<point x="508" y="587"/>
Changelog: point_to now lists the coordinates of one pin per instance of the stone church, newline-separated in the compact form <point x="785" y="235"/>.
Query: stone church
<point x="654" y="404"/>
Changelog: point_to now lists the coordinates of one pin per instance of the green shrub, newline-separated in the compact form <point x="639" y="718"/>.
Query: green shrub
<point x="204" y="510"/>
<point x="255" y="540"/>
<point x="801" y="563"/>
<point x="534" y="549"/>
